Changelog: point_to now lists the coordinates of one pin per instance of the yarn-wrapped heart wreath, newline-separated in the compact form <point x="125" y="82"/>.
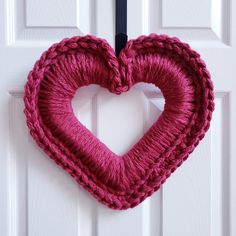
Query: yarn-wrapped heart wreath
<point x="120" y="182"/>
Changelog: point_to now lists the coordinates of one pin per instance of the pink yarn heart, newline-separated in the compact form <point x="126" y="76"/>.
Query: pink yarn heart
<point x="119" y="182"/>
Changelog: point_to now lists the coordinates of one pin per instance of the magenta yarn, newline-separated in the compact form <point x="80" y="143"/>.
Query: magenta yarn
<point x="120" y="182"/>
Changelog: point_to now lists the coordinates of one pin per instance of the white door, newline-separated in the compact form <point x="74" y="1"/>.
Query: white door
<point x="37" y="198"/>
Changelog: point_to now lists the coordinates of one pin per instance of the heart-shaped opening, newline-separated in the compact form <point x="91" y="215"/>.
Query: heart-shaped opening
<point x="122" y="119"/>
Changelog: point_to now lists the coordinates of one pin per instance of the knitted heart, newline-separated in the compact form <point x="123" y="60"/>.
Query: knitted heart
<point x="120" y="182"/>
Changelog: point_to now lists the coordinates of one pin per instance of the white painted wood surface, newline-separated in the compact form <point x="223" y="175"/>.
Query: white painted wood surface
<point x="38" y="199"/>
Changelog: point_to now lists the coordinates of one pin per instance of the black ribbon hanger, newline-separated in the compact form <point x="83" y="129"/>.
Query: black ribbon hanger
<point x="121" y="25"/>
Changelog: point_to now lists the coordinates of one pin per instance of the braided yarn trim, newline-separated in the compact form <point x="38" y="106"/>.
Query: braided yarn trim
<point x="120" y="182"/>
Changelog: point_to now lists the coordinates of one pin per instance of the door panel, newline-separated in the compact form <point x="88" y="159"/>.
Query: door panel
<point x="39" y="198"/>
